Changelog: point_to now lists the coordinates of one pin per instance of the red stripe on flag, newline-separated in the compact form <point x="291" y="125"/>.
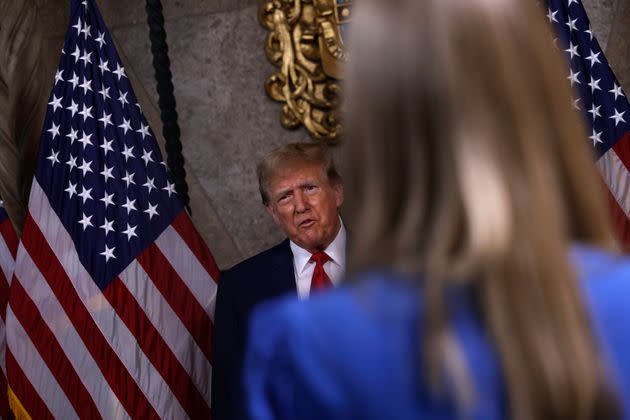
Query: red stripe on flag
<point x="4" y="296"/>
<point x="4" y="402"/>
<point x="620" y="222"/>
<point x="183" y="225"/>
<point x="156" y="349"/>
<point x="178" y="296"/>
<point x="7" y="232"/>
<point x="622" y="149"/>
<point x="24" y="391"/>
<point x="52" y="353"/>
<point x="121" y="382"/>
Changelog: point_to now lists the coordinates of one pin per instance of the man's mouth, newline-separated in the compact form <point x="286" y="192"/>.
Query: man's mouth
<point x="306" y="223"/>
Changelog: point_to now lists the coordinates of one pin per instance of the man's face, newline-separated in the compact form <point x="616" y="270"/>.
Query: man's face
<point x="304" y="203"/>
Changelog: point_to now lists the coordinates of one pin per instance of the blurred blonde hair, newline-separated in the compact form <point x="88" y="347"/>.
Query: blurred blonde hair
<point x="465" y="162"/>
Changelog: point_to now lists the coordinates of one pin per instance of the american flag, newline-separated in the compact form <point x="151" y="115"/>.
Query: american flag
<point x="8" y="248"/>
<point x="603" y="103"/>
<point x="111" y="304"/>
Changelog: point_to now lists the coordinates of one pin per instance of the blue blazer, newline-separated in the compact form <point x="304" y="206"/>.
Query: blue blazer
<point x="262" y="277"/>
<point x="354" y="353"/>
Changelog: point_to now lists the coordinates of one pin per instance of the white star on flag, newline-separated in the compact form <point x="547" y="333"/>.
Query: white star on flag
<point x="108" y="253"/>
<point x="56" y="103"/>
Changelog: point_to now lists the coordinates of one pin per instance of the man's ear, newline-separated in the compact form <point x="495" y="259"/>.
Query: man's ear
<point x="272" y="212"/>
<point x="338" y="189"/>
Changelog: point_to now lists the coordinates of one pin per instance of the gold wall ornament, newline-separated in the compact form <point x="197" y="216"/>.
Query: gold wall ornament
<point x="305" y="41"/>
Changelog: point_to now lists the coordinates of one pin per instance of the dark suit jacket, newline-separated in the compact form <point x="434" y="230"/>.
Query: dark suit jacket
<point x="262" y="277"/>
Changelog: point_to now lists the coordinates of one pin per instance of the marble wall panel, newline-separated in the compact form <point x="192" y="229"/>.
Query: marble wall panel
<point x="619" y="44"/>
<point x="601" y="14"/>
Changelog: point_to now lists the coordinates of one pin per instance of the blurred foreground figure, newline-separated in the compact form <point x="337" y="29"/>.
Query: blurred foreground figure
<point x="484" y="286"/>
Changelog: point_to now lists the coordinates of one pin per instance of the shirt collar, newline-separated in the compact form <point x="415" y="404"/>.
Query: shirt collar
<point x="336" y="250"/>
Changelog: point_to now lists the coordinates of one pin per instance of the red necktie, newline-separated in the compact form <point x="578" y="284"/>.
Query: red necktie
<point x="320" y="278"/>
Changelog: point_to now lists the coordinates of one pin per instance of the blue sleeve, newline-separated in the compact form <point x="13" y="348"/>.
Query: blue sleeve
<point x="605" y="279"/>
<point x="352" y="353"/>
<point x="268" y="377"/>
<point x="609" y="298"/>
<point x="289" y="372"/>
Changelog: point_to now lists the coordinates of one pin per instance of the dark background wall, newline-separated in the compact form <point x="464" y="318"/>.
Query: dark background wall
<point x="227" y="122"/>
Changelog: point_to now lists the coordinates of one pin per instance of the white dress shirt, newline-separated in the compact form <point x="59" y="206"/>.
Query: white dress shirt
<point x="304" y="268"/>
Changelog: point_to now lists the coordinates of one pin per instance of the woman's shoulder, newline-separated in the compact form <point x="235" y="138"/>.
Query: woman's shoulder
<point x="330" y="356"/>
<point x="350" y="316"/>
<point x="356" y="309"/>
<point x="604" y="276"/>
<point x="605" y="280"/>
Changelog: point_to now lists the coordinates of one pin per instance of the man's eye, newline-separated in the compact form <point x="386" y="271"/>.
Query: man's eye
<point x="310" y="187"/>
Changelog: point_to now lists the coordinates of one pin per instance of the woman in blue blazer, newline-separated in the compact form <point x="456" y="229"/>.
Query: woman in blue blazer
<point x="481" y="279"/>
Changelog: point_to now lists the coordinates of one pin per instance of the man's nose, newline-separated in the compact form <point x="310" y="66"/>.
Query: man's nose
<point x="301" y="204"/>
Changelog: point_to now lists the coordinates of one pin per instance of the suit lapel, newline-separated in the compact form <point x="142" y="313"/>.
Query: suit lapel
<point x="283" y="273"/>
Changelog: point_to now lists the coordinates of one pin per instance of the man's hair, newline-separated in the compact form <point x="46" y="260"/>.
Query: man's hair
<point x="291" y="155"/>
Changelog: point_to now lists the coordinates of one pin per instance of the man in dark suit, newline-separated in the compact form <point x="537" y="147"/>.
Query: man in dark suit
<point x="302" y="192"/>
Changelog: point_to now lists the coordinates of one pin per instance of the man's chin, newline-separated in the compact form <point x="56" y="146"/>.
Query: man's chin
<point x="310" y="244"/>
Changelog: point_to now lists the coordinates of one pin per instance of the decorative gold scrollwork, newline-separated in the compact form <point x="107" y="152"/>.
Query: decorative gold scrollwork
<point x="305" y="43"/>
